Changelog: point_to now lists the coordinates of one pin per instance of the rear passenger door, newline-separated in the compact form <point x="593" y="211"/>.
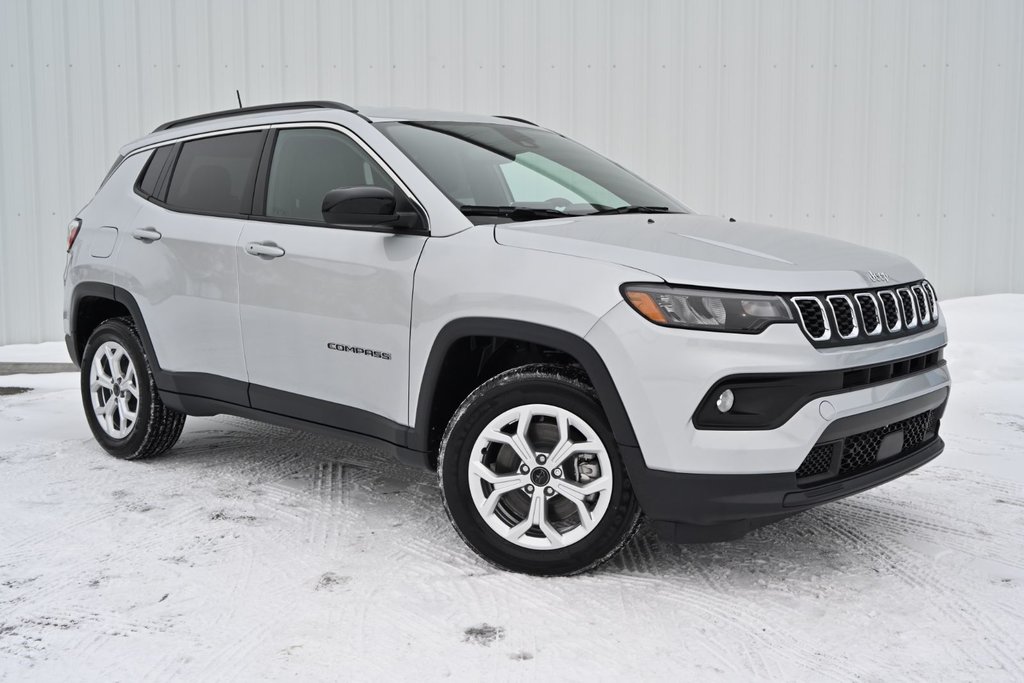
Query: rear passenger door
<point x="178" y="259"/>
<point x="326" y="313"/>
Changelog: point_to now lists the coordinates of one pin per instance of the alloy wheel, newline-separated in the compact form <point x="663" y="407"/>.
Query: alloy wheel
<point x="114" y="389"/>
<point x="540" y="477"/>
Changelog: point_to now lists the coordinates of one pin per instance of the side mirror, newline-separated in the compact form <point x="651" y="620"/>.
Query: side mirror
<point x="360" y="205"/>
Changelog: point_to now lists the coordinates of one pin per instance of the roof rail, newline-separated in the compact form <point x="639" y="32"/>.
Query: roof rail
<point x="516" y="118"/>
<point x="258" y="109"/>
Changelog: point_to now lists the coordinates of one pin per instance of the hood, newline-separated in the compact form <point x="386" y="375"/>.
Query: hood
<point x="689" y="249"/>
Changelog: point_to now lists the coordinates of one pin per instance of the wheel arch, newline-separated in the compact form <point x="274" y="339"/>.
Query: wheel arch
<point x="94" y="302"/>
<point x="550" y="338"/>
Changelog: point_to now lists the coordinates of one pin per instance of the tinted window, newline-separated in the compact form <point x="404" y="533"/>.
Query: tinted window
<point x="151" y="174"/>
<point x="310" y="162"/>
<point x="213" y="174"/>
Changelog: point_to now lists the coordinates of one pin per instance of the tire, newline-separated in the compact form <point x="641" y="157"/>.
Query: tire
<point x="130" y="422"/>
<point x="509" y="511"/>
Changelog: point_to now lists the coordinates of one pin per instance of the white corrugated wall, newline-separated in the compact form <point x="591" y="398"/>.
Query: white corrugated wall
<point x="892" y="123"/>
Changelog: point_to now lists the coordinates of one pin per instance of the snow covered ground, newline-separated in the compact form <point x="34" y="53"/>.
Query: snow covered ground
<point x="47" y="352"/>
<point x="254" y="552"/>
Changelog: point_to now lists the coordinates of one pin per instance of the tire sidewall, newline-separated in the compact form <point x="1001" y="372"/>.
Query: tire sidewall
<point x="485" y="404"/>
<point x="120" y="332"/>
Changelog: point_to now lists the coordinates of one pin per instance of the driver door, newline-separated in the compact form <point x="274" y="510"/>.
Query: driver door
<point x="325" y="309"/>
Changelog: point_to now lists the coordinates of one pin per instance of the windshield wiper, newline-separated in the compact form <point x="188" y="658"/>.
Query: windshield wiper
<point x="513" y="212"/>
<point x="632" y="208"/>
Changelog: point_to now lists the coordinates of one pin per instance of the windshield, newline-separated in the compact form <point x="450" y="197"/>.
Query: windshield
<point x="493" y="171"/>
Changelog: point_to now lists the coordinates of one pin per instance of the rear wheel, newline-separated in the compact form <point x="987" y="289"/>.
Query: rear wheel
<point x="120" y="398"/>
<point x="531" y="476"/>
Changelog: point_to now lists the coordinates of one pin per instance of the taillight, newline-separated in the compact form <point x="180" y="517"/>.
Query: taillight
<point x="73" y="228"/>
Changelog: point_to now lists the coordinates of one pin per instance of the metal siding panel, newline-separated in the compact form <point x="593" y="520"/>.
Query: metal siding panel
<point x="905" y="134"/>
<point x="958" y="187"/>
<point x="999" y="118"/>
<point x="922" y="133"/>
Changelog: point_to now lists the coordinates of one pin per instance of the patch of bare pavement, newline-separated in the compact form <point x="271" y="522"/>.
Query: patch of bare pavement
<point x="35" y="368"/>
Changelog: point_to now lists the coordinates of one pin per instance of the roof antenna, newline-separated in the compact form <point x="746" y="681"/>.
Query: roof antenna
<point x="239" y="96"/>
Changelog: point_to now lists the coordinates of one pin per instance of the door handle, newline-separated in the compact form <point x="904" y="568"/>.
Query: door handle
<point x="146" y="234"/>
<point x="264" y="249"/>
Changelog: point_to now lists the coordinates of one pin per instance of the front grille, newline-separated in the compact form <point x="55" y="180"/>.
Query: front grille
<point x="846" y="319"/>
<point x="892" y="311"/>
<point x="860" y="452"/>
<point x="869" y="314"/>
<point x="933" y="302"/>
<point x="833" y="319"/>
<point x="907" y="308"/>
<point x="923" y="309"/>
<point x="812" y="315"/>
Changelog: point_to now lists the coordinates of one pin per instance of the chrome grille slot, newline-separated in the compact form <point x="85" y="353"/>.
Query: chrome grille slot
<point x="907" y="307"/>
<point x="842" y="312"/>
<point x="869" y="313"/>
<point x="933" y="301"/>
<point x="924" y="313"/>
<point x="813" y="318"/>
<point x="893" y="319"/>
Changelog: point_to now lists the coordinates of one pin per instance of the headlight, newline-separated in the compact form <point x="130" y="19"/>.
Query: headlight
<point x="699" y="309"/>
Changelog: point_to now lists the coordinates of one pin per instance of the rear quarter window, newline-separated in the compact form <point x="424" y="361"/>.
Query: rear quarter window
<point x="215" y="174"/>
<point x="151" y="173"/>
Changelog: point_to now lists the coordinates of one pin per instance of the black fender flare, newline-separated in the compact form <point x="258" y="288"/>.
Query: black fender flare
<point x="527" y="332"/>
<point x="102" y="290"/>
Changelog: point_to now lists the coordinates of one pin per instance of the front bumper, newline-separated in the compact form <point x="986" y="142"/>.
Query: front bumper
<point x="663" y="374"/>
<point x="698" y="508"/>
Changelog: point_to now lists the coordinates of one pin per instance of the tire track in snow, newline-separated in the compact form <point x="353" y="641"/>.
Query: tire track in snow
<point x="714" y="595"/>
<point x="916" y="570"/>
<point x="729" y="616"/>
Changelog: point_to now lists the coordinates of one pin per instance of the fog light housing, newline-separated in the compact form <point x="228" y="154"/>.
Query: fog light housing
<point x="725" y="401"/>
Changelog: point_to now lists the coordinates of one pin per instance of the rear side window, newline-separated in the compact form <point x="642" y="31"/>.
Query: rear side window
<point x="151" y="174"/>
<point x="215" y="175"/>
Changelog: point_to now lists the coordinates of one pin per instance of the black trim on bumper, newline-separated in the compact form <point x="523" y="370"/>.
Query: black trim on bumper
<point x="769" y="400"/>
<point x="699" y="508"/>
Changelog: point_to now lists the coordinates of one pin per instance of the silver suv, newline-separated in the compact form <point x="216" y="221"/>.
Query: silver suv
<point x="569" y="347"/>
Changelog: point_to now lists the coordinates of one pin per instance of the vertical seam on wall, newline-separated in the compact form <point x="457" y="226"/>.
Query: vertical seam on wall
<point x="174" y="62"/>
<point x="939" y="221"/>
<point x="717" y="99"/>
<point x="829" y="109"/>
<point x="1014" y="195"/>
<point x="283" y="53"/>
<point x="791" y="162"/>
<point x="978" y="112"/>
<point x="68" y="168"/>
<point x="140" y="71"/>
<point x="900" y="215"/>
<point x="33" y="190"/>
<point x="866" y="154"/>
<point x="754" y="127"/>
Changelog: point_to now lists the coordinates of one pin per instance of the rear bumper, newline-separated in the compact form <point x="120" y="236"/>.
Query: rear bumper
<point x="716" y="507"/>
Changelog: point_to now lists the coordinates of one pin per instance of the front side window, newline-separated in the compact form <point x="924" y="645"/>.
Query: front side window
<point x="213" y="174"/>
<point x="310" y="162"/>
<point x="522" y="173"/>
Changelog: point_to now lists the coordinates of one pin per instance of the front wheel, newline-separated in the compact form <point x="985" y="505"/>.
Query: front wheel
<point x="120" y="397"/>
<point x="531" y="476"/>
